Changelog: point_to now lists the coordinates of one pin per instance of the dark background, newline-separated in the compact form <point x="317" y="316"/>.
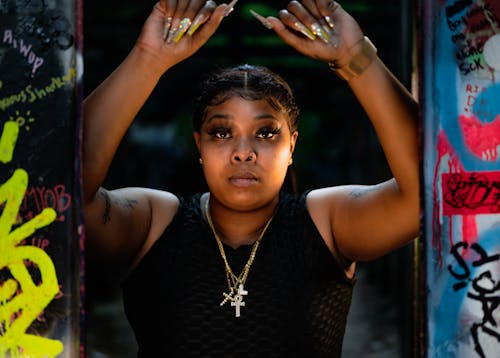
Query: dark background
<point x="336" y="146"/>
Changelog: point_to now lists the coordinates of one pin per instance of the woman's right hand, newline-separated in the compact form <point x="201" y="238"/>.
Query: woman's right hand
<point x="176" y="29"/>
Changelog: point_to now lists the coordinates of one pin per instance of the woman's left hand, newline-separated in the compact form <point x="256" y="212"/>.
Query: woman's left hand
<point x="320" y="29"/>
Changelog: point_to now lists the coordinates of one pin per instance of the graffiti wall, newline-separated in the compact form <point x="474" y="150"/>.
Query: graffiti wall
<point x="40" y="228"/>
<point x="460" y="96"/>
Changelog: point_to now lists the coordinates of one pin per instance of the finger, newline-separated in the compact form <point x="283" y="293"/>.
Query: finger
<point x="181" y="8"/>
<point x="327" y="9"/>
<point x="310" y="5"/>
<point x="193" y="8"/>
<point x="161" y="7"/>
<point x="291" y="38"/>
<point x="305" y="17"/>
<point x="169" y="10"/>
<point x="292" y="22"/>
<point x="313" y="8"/>
<point x="202" y="16"/>
<point x="179" y="22"/>
<point x="188" y="17"/>
<point x="210" y="26"/>
<point x="170" y="6"/>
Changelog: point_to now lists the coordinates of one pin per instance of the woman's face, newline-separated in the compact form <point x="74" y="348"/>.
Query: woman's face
<point x="246" y="147"/>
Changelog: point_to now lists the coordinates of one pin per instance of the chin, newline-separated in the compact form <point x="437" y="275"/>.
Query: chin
<point x="248" y="198"/>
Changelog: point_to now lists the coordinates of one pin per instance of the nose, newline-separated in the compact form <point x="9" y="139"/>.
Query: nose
<point x="244" y="152"/>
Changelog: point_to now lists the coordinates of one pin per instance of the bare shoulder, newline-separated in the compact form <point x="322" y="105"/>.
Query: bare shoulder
<point x="364" y="222"/>
<point x="164" y="206"/>
<point x="321" y="204"/>
<point x="328" y="201"/>
<point x="121" y="223"/>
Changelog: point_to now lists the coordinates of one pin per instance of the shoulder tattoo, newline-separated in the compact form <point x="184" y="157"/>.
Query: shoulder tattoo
<point x="122" y="202"/>
<point x="106" y="215"/>
<point x="126" y="203"/>
<point x="359" y="192"/>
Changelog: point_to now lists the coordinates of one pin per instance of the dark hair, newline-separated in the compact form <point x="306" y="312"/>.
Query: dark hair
<point x="248" y="82"/>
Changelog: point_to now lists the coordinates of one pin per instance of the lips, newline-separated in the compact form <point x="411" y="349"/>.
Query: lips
<point x="243" y="179"/>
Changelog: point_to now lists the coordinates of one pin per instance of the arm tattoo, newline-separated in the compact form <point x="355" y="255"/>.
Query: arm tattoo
<point x="122" y="202"/>
<point x="106" y="215"/>
<point x="127" y="203"/>
<point x="359" y="192"/>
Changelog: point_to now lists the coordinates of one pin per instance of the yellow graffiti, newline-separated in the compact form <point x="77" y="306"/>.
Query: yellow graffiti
<point x="30" y="94"/>
<point x="21" y="299"/>
<point x="8" y="141"/>
<point x="22" y="120"/>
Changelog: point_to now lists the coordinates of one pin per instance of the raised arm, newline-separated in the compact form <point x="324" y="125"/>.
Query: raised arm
<point x="365" y="222"/>
<point x="119" y="222"/>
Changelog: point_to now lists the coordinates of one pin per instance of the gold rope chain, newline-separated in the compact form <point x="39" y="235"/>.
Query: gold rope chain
<point x="235" y="283"/>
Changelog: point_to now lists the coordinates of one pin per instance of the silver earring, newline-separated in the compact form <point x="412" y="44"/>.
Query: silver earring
<point x="200" y="160"/>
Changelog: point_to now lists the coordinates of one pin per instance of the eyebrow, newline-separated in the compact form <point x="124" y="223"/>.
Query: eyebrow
<point x="231" y="117"/>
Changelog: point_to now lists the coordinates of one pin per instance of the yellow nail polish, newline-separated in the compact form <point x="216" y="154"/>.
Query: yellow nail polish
<point x="183" y="27"/>
<point x="173" y="30"/>
<point x="304" y="30"/>
<point x="198" y="20"/>
<point x="318" y="31"/>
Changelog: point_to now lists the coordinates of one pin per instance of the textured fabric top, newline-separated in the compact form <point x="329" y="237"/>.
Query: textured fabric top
<point x="298" y="296"/>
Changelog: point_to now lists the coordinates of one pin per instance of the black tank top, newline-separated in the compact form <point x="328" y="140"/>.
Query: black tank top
<point x="298" y="295"/>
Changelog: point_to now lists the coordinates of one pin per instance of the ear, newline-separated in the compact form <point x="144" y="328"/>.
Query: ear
<point x="197" y="138"/>
<point x="293" y="141"/>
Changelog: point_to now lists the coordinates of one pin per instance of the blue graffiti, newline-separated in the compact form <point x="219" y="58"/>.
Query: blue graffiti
<point x="486" y="106"/>
<point x="472" y="280"/>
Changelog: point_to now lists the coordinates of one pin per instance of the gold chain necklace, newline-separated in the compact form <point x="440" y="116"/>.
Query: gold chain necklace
<point x="235" y="284"/>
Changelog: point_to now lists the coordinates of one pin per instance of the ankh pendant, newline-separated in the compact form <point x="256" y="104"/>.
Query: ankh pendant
<point x="237" y="301"/>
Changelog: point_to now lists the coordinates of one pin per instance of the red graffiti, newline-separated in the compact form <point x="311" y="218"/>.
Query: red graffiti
<point x="483" y="19"/>
<point x="38" y="198"/>
<point x="444" y="148"/>
<point x="469" y="224"/>
<point x="471" y="193"/>
<point x="481" y="139"/>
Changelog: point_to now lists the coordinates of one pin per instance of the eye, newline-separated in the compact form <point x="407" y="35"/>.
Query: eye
<point x="220" y="133"/>
<point x="268" y="133"/>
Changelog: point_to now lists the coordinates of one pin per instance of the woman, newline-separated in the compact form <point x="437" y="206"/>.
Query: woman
<point x="246" y="269"/>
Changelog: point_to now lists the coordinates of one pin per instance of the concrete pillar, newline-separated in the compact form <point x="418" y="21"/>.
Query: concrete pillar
<point x="41" y="232"/>
<point x="460" y="95"/>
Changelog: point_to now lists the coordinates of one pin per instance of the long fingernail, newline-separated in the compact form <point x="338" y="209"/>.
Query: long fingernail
<point x="329" y="21"/>
<point x="262" y="19"/>
<point x="326" y="29"/>
<point x="230" y="7"/>
<point x="184" y="26"/>
<point x="198" y="20"/>
<point x="318" y="31"/>
<point x="173" y="30"/>
<point x="304" y="30"/>
<point x="166" y="26"/>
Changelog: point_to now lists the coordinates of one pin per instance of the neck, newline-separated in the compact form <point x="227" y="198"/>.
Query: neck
<point x="236" y="228"/>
